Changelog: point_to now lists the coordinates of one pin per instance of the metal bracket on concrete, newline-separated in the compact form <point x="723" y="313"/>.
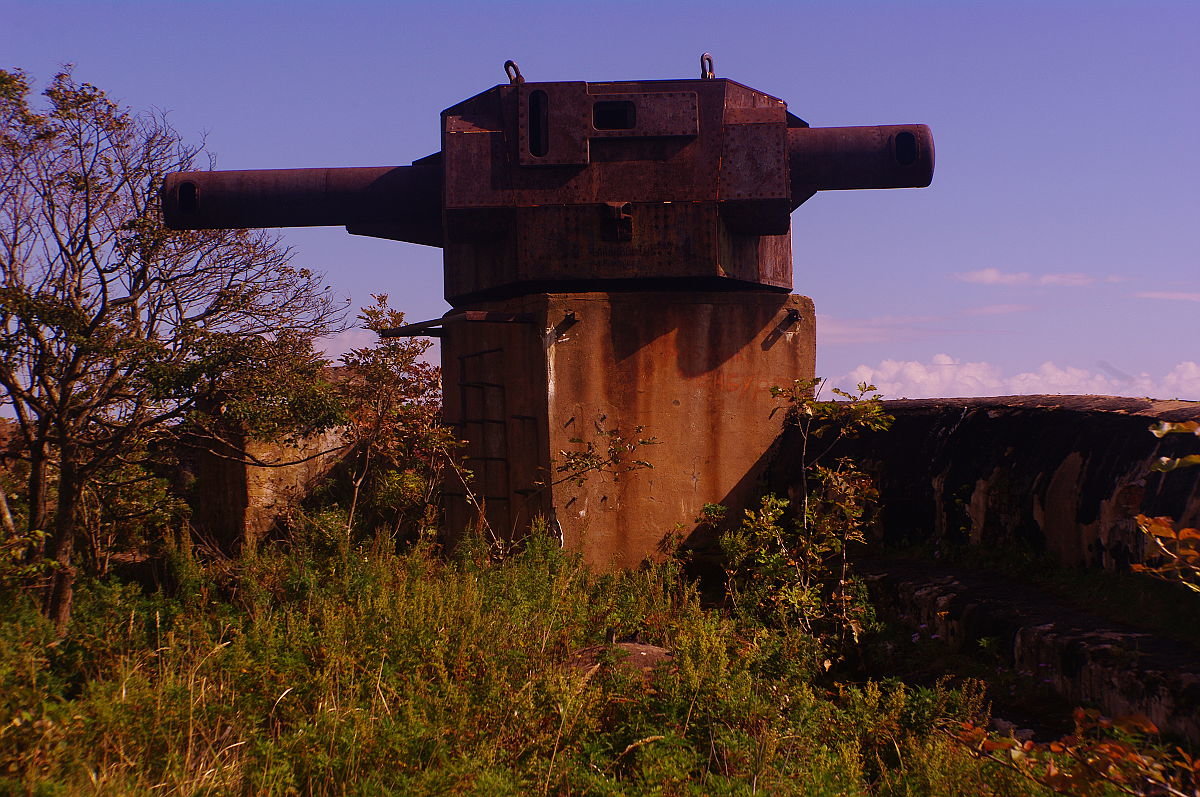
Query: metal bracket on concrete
<point x="555" y="333"/>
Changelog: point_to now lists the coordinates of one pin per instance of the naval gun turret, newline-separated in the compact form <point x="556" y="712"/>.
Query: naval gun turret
<point x="617" y="256"/>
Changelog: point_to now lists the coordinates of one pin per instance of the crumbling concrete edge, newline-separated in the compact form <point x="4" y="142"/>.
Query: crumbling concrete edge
<point x="1086" y="659"/>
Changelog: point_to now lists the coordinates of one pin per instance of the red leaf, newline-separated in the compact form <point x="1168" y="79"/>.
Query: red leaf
<point x="1136" y="723"/>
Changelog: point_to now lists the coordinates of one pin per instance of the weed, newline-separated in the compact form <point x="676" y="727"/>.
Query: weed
<point x="324" y="670"/>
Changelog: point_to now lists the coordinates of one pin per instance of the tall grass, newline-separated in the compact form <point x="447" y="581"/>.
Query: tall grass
<point x="365" y="671"/>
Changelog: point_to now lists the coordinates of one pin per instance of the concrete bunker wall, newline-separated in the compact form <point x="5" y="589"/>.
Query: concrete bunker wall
<point x="1060" y="474"/>
<point x="235" y="503"/>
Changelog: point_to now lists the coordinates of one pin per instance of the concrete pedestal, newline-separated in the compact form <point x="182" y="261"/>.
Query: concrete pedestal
<point x="547" y="377"/>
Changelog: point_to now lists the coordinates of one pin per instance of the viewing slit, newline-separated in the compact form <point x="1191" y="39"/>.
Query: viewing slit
<point x="539" y="124"/>
<point x="614" y="115"/>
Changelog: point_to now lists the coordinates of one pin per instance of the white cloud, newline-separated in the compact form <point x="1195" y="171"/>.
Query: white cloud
<point x="1173" y="295"/>
<point x="1182" y="382"/>
<point x="994" y="276"/>
<point x="944" y="377"/>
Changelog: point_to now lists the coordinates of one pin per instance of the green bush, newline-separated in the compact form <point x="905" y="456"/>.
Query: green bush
<point x="790" y="567"/>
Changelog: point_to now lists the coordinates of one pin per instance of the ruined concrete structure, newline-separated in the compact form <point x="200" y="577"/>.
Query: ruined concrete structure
<point x="618" y="259"/>
<point x="1048" y="643"/>
<point x="618" y="262"/>
<point x="234" y="503"/>
<point x="1062" y="475"/>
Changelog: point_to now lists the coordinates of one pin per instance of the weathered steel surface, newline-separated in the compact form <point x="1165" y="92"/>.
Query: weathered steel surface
<point x="585" y="186"/>
<point x="699" y="169"/>
<point x="842" y="158"/>
<point x="435" y="327"/>
<point x="693" y="370"/>
<point x="404" y="200"/>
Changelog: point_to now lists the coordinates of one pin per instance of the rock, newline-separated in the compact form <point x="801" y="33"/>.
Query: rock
<point x="630" y="654"/>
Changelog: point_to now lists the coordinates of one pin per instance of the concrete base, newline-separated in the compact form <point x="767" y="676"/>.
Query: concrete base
<point x="551" y="399"/>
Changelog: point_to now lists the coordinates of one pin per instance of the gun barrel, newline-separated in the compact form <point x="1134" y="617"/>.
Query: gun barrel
<point x="407" y="197"/>
<point x="841" y="158"/>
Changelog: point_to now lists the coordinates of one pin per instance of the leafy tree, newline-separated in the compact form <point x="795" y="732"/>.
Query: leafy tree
<point x="398" y="445"/>
<point x="112" y="327"/>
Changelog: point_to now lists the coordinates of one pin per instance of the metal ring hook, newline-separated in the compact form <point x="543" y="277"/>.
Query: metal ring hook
<point x="513" y="71"/>
<point x="706" y="67"/>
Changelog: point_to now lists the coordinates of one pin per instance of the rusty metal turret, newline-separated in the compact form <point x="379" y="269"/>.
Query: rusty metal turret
<point x="575" y="185"/>
<point x="618" y="256"/>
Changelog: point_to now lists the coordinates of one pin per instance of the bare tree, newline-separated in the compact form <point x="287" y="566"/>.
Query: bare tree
<point x="112" y="327"/>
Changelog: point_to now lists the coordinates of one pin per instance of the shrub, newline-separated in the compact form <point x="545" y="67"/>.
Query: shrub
<point x="797" y="573"/>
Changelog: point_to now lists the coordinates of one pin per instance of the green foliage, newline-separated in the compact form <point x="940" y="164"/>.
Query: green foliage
<point x="1103" y="756"/>
<point x="366" y="671"/>
<point x="114" y="329"/>
<point x="1174" y="553"/>
<point x="795" y="573"/>
<point x="787" y="575"/>
<point x="274" y="389"/>
<point x="16" y="567"/>
<point x="1164" y="428"/>
<point x="126" y="509"/>
<point x="858" y="412"/>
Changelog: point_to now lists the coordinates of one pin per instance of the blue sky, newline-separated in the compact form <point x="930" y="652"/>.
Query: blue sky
<point x="1056" y="251"/>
